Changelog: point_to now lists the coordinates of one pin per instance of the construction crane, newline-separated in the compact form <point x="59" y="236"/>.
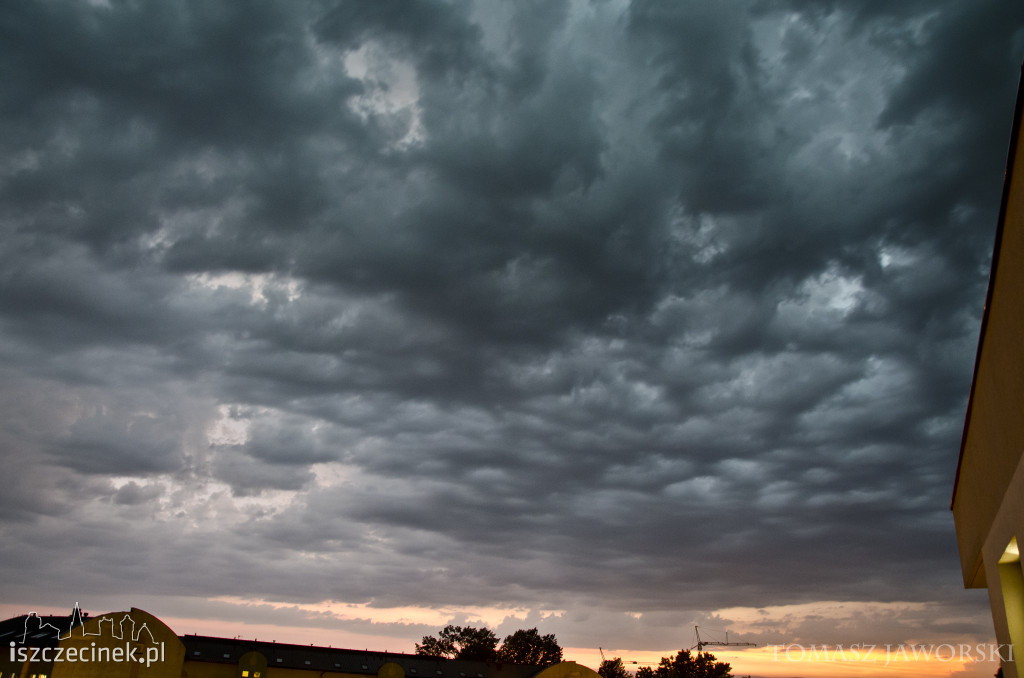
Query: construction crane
<point x="624" y="661"/>
<point x="701" y="644"/>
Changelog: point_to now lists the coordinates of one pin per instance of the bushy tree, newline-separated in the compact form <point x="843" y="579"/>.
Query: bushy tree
<point x="686" y="665"/>
<point x="466" y="642"/>
<point x="529" y="647"/>
<point x="613" y="668"/>
<point x="461" y="642"/>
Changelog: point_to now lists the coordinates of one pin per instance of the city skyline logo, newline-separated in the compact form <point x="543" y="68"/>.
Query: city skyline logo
<point x="124" y="628"/>
<point x="135" y="643"/>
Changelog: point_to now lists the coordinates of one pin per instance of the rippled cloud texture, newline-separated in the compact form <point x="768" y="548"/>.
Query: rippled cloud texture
<point x="612" y="315"/>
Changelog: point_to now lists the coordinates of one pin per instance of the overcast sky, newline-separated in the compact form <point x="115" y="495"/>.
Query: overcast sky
<point x="612" y="318"/>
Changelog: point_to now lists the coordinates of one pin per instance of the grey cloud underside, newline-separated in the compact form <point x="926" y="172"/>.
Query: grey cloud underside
<point x="671" y="305"/>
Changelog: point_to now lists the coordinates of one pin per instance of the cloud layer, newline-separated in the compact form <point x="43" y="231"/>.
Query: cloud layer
<point x="599" y="308"/>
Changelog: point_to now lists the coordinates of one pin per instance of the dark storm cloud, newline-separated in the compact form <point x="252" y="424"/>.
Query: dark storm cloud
<point x="454" y="304"/>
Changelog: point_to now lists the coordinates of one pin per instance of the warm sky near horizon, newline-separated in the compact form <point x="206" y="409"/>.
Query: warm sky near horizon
<point x="351" y="320"/>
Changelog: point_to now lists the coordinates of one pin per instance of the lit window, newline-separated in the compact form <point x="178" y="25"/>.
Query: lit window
<point x="278" y="660"/>
<point x="255" y="674"/>
<point x="245" y="674"/>
<point x="307" y="662"/>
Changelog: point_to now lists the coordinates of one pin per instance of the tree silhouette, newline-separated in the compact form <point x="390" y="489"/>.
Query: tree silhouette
<point x="613" y="668"/>
<point x="529" y="647"/>
<point x="466" y="642"/>
<point x="461" y="642"/>
<point x="686" y="665"/>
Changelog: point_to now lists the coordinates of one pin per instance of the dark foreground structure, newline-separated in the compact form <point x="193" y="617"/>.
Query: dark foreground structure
<point x="988" y="494"/>
<point x="134" y="644"/>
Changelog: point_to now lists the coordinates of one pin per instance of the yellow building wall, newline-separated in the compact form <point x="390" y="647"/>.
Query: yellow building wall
<point x="200" y="669"/>
<point x="994" y="436"/>
<point x="567" y="670"/>
<point x="203" y="669"/>
<point x="988" y="500"/>
<point x="1005" y="575"/>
